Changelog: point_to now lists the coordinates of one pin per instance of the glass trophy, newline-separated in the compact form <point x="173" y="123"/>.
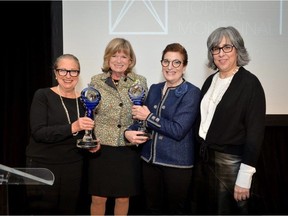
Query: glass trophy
<point x="90" y="98"/>
<point x="137" y="94"/>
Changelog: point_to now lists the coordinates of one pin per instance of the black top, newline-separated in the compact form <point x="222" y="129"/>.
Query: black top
<point x="51" y="138"/>
<point x="238" y="123"/>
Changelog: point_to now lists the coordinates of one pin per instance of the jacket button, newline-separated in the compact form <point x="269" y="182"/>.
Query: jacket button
<point x="120" y="104"/>
<point x="119" y="126"/>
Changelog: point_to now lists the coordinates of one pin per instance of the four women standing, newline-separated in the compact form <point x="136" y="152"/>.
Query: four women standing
<point x="231" y="129"/>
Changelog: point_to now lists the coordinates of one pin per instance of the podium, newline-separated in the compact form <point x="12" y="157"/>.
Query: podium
<point x="21" y="176"/>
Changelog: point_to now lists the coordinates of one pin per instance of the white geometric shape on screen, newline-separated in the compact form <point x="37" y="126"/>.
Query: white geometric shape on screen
<point x="133" y="17"/>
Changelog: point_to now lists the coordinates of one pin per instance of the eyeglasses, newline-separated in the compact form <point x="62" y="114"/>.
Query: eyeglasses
<point x="226" y="49"/>
<point x="175" y="63"/>
<point x="63" y="72"/>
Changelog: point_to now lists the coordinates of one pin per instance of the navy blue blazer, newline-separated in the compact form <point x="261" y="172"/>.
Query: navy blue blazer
<point x="171" y="123"/>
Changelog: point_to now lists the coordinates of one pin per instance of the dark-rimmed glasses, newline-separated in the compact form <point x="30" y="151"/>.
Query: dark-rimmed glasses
<point x="226" y="49"/>
<point x="63" y="72"/>
<point x="175" y="63"/>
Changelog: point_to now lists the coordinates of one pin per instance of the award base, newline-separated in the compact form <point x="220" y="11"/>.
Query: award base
<point x="86" y="144"/>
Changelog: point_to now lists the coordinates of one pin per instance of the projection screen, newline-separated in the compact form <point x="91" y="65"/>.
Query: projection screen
<point x="150" y="25"/>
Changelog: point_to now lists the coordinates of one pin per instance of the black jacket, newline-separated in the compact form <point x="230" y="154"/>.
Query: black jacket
<point x="238" y="123"/>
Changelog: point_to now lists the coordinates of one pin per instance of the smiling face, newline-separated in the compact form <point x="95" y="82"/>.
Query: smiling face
<point x="119" y="62"/>
<point x="173" y="75"/>
<point x="226" y="62"/>
<point x="67" y="81"/>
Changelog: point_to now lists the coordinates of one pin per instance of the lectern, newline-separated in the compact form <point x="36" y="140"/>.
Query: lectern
<point x="21" y="176"/>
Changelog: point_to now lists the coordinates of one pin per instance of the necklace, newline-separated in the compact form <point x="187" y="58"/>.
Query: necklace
<point x="219" y="88"/>
<point x="116" y="82"/>
<point x="65" y="108"/>
<point x="211" y="100"/>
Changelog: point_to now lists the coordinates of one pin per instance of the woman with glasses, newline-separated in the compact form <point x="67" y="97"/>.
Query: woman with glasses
<point x="57" y="121"/>
<point x="169" y="112"/>
<point x="231" y="129"/>
<point x="114" y="173"/>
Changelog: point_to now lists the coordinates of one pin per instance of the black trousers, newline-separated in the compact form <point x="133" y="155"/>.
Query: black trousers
<point x="166" y="189"/>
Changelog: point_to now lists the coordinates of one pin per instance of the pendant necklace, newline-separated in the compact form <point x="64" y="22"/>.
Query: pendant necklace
<point x="215" y="97"/>
<point x="66" y="111"/>
<point x="116" y="82"/>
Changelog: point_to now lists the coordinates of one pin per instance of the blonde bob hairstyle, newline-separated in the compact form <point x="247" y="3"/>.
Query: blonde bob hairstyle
<point x="117" y="45"/>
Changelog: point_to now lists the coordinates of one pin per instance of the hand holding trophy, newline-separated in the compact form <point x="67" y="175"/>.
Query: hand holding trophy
<point x="90" y="98"/>
<point x="137" y="94"/>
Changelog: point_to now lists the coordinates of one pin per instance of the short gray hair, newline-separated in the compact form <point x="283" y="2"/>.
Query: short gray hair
<point x="236" y="39"/>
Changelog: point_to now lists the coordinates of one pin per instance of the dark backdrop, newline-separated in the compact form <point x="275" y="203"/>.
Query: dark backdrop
<point x="32" y="38"/>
